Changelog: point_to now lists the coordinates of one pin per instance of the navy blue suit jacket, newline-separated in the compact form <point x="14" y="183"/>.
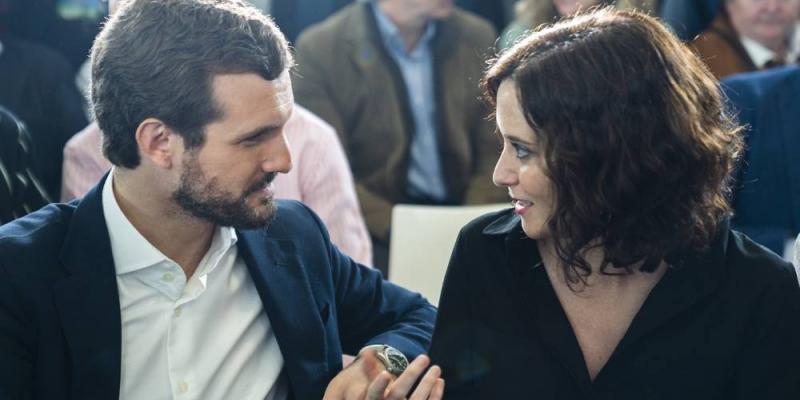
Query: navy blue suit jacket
<point x="60" y="323"/>
<point x="767" y="196"/>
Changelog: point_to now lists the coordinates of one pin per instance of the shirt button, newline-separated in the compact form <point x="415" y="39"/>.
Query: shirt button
<point x="168" y="277"/>
<point x="183" y="387"/>
<point x="177" y="312"/>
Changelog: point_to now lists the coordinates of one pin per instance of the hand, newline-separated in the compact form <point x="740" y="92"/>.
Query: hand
<point x="367" y="379"/>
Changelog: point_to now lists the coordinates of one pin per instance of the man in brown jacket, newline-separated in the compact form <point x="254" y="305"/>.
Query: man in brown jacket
<point x="750" y="35"/>
<point x="398" y="79"/>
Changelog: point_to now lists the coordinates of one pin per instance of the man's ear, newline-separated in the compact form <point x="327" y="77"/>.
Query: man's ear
<point x="153" y="138"/>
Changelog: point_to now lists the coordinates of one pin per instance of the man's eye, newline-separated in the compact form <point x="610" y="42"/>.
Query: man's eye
<point x="249" y="142"/>
<point x="253" y="140"/>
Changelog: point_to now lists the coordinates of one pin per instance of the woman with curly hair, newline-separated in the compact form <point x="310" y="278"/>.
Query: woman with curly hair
<point x="615" y="275"/>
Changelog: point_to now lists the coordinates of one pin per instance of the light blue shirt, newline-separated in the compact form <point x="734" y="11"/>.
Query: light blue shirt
<point x="424" y="170"/>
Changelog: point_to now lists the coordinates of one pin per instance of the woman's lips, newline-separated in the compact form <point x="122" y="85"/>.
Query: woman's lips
<point x="521" y="206"/>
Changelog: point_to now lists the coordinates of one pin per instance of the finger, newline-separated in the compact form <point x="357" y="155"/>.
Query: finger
<point x="370" y="365"/>
<point x="438" y="390"/>
<point x="405" y="381"/>
<point x="378" y="386"/>
<point x="427" y="384"/>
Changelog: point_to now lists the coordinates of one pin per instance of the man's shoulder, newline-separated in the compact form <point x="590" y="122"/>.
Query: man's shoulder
<point x="348" y="19"/>
<point x="35" y="240"/>
<point x="473" y="29"/>
<point x="306" y="128"/>
<point x="491" y="226"/>
<point x="763" y="84"/>
<point x="89" y="138"/>
<point x="293" y="220"/>
<point x="755" y="267"/>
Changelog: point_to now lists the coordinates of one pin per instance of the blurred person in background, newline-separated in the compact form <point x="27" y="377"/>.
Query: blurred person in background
<point x="36" y="84"/>
<point x="21" y="192"/>
<point x="293" y="16"/>
<point x="533" y="13"/>
<point x="767" y="194"/>
<point x="616" y="274"/>
<point x="397" y="79"/>
<point x="687" y="18"/>
<point x="749" y="35"/>
<point x="498" y="12"/>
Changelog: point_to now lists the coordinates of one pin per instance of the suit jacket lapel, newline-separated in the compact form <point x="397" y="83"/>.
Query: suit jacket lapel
<point x="88" y="302"/>
<point x="363" y="38"/>
<point x="284" y="288"/>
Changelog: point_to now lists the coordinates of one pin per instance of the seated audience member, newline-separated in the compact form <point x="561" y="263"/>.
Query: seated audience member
<point x="21" y="192"/>
<point x="749" y="35"/>
<point x="498" y="12"/>
<point x="399" y="85"/>
<point x="533" y="13"/>
<point x="293" y="16"/>
<point x="36" y="85"/>
<point x="767" y="195"/>
<point x="320" y="178"/>
<point x="178" y="275"/>
<point x="687" y="18"/>
<point x="615" y="275"/>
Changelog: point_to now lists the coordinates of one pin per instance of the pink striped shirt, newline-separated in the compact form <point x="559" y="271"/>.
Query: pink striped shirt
<point x="321" y="178"/>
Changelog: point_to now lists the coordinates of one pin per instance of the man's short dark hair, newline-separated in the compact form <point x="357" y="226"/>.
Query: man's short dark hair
<point x="158" y="58"/>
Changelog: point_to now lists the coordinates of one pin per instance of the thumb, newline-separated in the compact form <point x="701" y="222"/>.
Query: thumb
<point x="371" y="365"/>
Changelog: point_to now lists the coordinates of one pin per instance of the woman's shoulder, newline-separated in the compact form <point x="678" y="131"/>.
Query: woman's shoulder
<point x="495" y="223"/>
<point x="751" y="263"/>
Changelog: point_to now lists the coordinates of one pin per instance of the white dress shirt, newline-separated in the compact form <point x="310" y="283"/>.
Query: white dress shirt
<point x="761" y="55"/>
<point x="205" y="338"/>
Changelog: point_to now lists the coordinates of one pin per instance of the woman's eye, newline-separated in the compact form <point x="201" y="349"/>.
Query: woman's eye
<point x="520" y="151"/>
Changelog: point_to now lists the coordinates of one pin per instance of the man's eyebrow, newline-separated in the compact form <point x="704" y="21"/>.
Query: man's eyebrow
<point x="258" y="131"/>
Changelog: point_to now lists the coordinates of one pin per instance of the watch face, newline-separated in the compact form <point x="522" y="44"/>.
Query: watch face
<point x="396" y="360"/>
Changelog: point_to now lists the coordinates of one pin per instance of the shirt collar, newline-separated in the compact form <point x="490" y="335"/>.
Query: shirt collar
<point x="391" y="34"/>
<point x="130" y="250"/>
<point x="522" y="250"/>
<point x="505" y="223"/>
<point x="761" y="55"/>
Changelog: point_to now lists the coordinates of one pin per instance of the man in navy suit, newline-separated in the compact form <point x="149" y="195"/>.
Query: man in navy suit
<point x="767" y="199"/>
<point x="178" y="276"/>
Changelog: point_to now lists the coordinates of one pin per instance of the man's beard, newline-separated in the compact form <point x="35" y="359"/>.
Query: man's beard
<point x="204" y="199"/>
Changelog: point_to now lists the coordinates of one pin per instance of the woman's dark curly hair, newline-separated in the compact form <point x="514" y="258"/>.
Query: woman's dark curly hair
<point x="636" y="140"/>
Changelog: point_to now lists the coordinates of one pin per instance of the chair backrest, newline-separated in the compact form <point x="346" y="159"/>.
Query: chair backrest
<point x="422" y="240"/>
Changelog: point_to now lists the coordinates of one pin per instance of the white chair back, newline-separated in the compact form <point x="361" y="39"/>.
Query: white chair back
<point x="422" y="240"/>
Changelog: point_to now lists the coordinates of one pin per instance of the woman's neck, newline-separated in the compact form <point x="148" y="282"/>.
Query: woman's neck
<point x="597" y="279"/>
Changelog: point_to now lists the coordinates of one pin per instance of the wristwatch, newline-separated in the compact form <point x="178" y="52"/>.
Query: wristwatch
<point x="392" y="359"/>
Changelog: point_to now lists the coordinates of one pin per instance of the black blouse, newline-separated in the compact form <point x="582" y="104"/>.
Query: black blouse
<point x="721" y="324"/>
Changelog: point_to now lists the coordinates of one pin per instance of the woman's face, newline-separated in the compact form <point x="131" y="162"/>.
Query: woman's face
<point x="768" y="22"/>
<point x="568" y="8"/>
<point x="521" y="167"/>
